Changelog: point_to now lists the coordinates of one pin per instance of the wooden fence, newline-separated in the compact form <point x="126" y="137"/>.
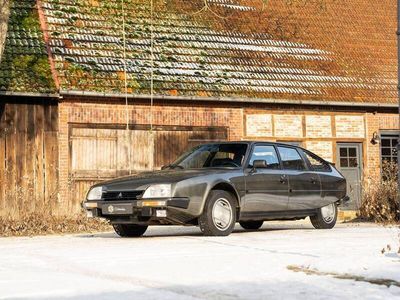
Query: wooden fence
<point x="28" y="158"/>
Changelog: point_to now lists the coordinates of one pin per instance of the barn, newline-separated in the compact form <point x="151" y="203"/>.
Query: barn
<point x="92" y="89"/>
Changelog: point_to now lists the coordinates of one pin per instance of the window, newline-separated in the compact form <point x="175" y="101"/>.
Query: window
<point x="348" y="156"/>
<point x="291" y="159"/>
<point x="266" y="153"/>
<point x="316" y="163"/>
<point x="389" y="147"/>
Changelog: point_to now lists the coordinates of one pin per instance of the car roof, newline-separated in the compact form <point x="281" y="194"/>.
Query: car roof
<point x="253" y="142"/>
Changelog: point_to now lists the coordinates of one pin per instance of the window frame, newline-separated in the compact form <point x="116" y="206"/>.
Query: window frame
<point x="393" y="135"/>
<point x="246" y="166"/>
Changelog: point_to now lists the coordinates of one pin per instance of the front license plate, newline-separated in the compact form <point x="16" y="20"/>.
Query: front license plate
<point x="117" y="209"/>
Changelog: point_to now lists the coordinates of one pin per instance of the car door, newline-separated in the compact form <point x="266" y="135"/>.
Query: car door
<point x="304" y="184"/>
<point x="266" y="188"/>
<point x="332" y="185"/>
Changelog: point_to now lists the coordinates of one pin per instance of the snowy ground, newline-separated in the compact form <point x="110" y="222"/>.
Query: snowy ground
<point x="179" y="263"/>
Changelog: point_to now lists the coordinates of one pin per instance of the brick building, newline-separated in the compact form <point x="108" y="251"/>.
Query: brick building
<point x="322" y="75"/>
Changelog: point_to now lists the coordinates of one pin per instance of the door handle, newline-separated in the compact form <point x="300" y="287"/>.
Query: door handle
<point x="283" y="179"/>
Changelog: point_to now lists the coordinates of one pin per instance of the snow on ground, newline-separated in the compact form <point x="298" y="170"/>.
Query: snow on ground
<point x="179" y="263"/>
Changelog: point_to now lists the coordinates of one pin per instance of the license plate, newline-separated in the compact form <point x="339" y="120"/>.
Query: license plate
<point x="161" y="213"/>
<point x="117" y="209"/>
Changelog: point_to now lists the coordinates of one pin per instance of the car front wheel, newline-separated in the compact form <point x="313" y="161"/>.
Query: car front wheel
<point x="130" y="230"/>
<point x="218" y="218"/>
<point x="326" y="217"/>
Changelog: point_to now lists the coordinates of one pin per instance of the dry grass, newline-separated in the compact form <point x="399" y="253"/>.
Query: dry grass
<point x="377" y="281"/>
<point x="42" y="224"/>
<point x="381" y="200"/>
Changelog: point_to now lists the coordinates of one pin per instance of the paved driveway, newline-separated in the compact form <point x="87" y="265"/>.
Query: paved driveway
<point x="287" y="260"/>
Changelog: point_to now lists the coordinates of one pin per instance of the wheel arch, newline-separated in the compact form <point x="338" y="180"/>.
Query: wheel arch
<point x="228" y="187"/>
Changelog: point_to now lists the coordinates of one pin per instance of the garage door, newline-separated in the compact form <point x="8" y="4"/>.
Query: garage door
<point x="98" y="154"/>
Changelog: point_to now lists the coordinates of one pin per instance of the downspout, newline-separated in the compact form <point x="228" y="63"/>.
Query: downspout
<point x="398" y="87"/>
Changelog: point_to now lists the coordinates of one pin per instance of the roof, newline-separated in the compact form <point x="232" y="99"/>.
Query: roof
<point x="331" y="50"/>
<point x="24" y="65"/>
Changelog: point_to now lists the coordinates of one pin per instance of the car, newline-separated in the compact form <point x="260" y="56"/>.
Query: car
<point x="216" y="185"/>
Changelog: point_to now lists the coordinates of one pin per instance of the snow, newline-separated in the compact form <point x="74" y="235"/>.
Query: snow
<point x="179" y="263"/>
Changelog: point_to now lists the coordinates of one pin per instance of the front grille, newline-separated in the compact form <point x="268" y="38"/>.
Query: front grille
<point x="117" y="196"/>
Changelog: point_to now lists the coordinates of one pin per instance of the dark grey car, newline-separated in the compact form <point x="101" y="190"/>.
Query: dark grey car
<point x="216" y="185"/>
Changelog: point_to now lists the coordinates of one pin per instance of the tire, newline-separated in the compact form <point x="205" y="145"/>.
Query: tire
<point x="219" y="214"/>
<point x="130" y="230"/>
<point x="326" y="217"/>
<point x="251" y="225"/>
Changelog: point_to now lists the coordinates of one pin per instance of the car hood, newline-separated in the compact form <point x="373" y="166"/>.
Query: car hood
<point x="141" y="180"/>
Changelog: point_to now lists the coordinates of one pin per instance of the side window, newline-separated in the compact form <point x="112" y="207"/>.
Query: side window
<point x="266" y="153"/>
<point x="317" y="164"/>
<point x="291" y="159"/>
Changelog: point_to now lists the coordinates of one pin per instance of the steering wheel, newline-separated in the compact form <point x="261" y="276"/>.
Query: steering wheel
<point x="230" y="163"/>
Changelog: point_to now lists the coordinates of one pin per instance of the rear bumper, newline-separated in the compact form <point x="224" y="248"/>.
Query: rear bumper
<point x="171" y="210"/>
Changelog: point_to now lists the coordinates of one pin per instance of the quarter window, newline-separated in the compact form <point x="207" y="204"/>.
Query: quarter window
<point x="291" y="159"/>
<point x="317" y="164"/>
<point x="266" y="153"/>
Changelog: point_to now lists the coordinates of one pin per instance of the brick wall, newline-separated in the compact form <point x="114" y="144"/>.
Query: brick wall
<point x="376" y="123"/>
<point x="320" y="131"/>
<point x="318" y="126"/>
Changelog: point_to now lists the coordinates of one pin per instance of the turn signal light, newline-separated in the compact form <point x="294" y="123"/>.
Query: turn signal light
<point x="152" y="203"/>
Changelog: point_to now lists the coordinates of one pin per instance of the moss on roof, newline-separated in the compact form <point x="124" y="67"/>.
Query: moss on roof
<point x="24" y="65"/>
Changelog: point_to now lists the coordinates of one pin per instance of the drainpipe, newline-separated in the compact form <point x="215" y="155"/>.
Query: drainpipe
<point x="398" y="72"/>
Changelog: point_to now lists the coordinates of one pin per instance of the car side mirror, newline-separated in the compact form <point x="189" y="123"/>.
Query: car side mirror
<point x="260" y="164"/>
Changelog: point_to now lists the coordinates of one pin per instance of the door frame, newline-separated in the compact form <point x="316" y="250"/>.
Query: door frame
<point x="360" y="156"/>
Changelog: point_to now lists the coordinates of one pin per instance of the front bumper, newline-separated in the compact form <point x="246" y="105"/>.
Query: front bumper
<point x="171" y="210"/>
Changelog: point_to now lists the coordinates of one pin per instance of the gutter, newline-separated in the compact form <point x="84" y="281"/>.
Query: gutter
<point x="230" y="99"/>
<point x="27" y="94"/>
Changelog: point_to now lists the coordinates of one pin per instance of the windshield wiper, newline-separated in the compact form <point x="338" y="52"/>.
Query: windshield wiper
<point x="172" y="166"/>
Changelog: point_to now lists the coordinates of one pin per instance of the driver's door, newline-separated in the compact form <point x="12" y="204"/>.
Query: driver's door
<point x="267" y="188"/>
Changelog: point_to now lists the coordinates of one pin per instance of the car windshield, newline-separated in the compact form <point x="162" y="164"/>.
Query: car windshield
<point x="212" y="156"/>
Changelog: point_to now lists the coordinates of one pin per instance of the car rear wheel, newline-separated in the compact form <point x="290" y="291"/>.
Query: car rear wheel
<point x="251" y="225"/>
<point x="219" y="217"/>
<point x="130" y="230"/>
<point x="326" y="217"/>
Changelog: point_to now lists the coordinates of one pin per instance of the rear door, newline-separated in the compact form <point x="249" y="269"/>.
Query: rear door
<point x="267" y="188"/>
<point x="332" y="186"/>
<point x="304" y="184"/>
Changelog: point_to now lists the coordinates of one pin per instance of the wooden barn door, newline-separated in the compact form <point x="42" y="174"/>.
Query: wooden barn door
<point x="97" y="154"/>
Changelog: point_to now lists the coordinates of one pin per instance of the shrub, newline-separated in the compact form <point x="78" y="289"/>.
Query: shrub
<point x="44" y="223"/>
<point x="381" y="202"/>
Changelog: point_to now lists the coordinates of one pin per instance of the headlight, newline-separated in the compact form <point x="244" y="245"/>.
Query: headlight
<point x="158" y="191"/>
<point x="95" y="193"/>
